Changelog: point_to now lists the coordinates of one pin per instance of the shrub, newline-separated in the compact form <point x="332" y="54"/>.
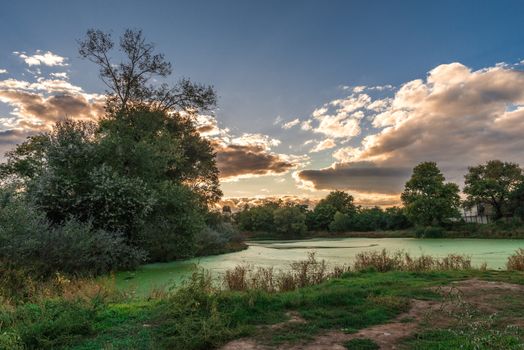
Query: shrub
<point x="429" y="232"/>
<point x="384" y="261"/>
<point x="47" y="325"/>
<point x="216" y="239"/>
<point x="27" y="240"/>
<point x="300" y="274"/>
<point x="171" y="228"/>
<point x="516" y="261"/>
<point x="191" y="318"/>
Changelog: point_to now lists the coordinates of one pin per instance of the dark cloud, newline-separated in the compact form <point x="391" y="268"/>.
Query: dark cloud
<point x="50" y="109"/>
<point x="245" y="160"/>
<point x="359" y="176"/>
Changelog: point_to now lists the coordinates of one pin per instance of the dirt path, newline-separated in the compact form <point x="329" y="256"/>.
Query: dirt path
<point x="388" y="336"/>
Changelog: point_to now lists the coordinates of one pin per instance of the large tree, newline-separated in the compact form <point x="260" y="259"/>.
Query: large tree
<point x="142" y="169"/>
<point x="492" y="183"/>
<point x="428" y="200"/>
<point x="147" y="122"/>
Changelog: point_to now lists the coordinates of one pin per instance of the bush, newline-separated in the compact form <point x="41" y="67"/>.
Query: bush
<point x="300" y="274"/>
<point x="516" y="261"/>
<point x="191" y="318"/>
<point x="27" y="240"/>
<point x="171" y="228"/>
<point x="429" y="232"/>
<point x="48" y="325"/>
<point x="384" y="261"/>
<point x="216" y="239"/>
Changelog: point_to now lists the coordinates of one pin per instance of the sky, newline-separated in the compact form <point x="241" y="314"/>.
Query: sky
<point x="313" y="95"/>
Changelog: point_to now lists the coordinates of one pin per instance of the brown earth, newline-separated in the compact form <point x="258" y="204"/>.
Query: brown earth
<point x="481" y="295"/>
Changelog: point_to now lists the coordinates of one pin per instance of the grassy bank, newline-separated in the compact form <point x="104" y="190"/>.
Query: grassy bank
<point x="500" y="230"/>
<point x="198" y="315"/>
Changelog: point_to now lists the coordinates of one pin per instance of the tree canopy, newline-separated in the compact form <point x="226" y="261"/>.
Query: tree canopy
<point x="493" y="183"/>
<point x="427" y="199"/>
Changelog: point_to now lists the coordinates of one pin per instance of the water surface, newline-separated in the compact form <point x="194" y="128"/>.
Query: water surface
<point x="340" y="251"/>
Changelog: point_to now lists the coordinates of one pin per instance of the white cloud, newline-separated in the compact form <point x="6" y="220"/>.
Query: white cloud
<point x="324" y="145"/>
<point x="42" y="58"/>
<point x="306" y="125"/>
<point x="3" y="71"/>
<point x="261" y="140"/>
<point x="455" y="116"/>
<point x="61" y="75"/>
<point x="291" y="124"/>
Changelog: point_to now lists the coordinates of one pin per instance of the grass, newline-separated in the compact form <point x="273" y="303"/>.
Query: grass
<point x="361" y="344"/>
<point x="199" y="315"/>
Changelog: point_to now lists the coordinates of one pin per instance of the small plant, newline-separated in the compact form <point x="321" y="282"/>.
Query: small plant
<point x="516" y="261"/>
<point x="383" y="261"/>
<point x="300" y="274"/>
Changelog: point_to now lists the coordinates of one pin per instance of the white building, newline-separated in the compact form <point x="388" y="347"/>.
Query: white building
<point x="478" y="213"/>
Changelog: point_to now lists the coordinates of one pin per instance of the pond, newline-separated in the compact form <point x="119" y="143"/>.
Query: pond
<point x="340" y="251"/>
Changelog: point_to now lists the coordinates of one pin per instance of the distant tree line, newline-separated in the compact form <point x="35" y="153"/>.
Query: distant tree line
<point x="429" y="204"/>
<point x="337" y="212"/>
<point x="135" y="186"/>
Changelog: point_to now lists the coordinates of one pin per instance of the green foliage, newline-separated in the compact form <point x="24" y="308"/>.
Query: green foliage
<point x="516" y="201"/>
<point x="142" y="176"/>
<point x="324" y="213"/>
<point x="321" y="217"/>
<point x="192" y="319"/>
<point x="290" y="221"/>
<point x="429" y="232"/>
<point x="273" y="217"/>
<point x="427" y="199"/>
<point x="170" y="230"/>
<point x="361" y="344"/>
<point x="341" y="222"/>
<point x="258" y="218"/>
<point x="48" y="325"/>
<point x="29" y="241"/>
<point x="341" y="201"/>
<point x="493" y="183"/>
<point x="370" y="219"/>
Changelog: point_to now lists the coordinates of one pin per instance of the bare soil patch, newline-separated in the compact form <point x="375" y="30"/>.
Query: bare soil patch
<point x="486" y="296"/>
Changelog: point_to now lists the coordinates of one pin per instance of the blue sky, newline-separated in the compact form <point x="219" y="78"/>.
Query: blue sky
<point x="284" y="59"/>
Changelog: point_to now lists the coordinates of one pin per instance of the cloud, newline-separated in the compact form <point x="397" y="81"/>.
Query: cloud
<point x="42" y="58"/>
<point x="236" y="161"/>
<point x="306" y="125"/>
<point x="324" y="145"/>
<point x="207" y="125"/>
<point x="61" y="75"/>
<point x="3" y="71"/>
<point x="41" y="103"/>
<point x="357" y="176"/>
<point x="455" y="116"/>
<point x="340" y="118"/>
<point x="291" y="124"/>
<point x="246" y="155"/>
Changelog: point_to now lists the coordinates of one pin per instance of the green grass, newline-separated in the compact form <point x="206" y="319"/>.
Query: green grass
<point x="361" y="344"/>
<point x="196" y="318"/>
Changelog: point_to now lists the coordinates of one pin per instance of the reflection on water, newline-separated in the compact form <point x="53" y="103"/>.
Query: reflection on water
<point x="279" y="254"/>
